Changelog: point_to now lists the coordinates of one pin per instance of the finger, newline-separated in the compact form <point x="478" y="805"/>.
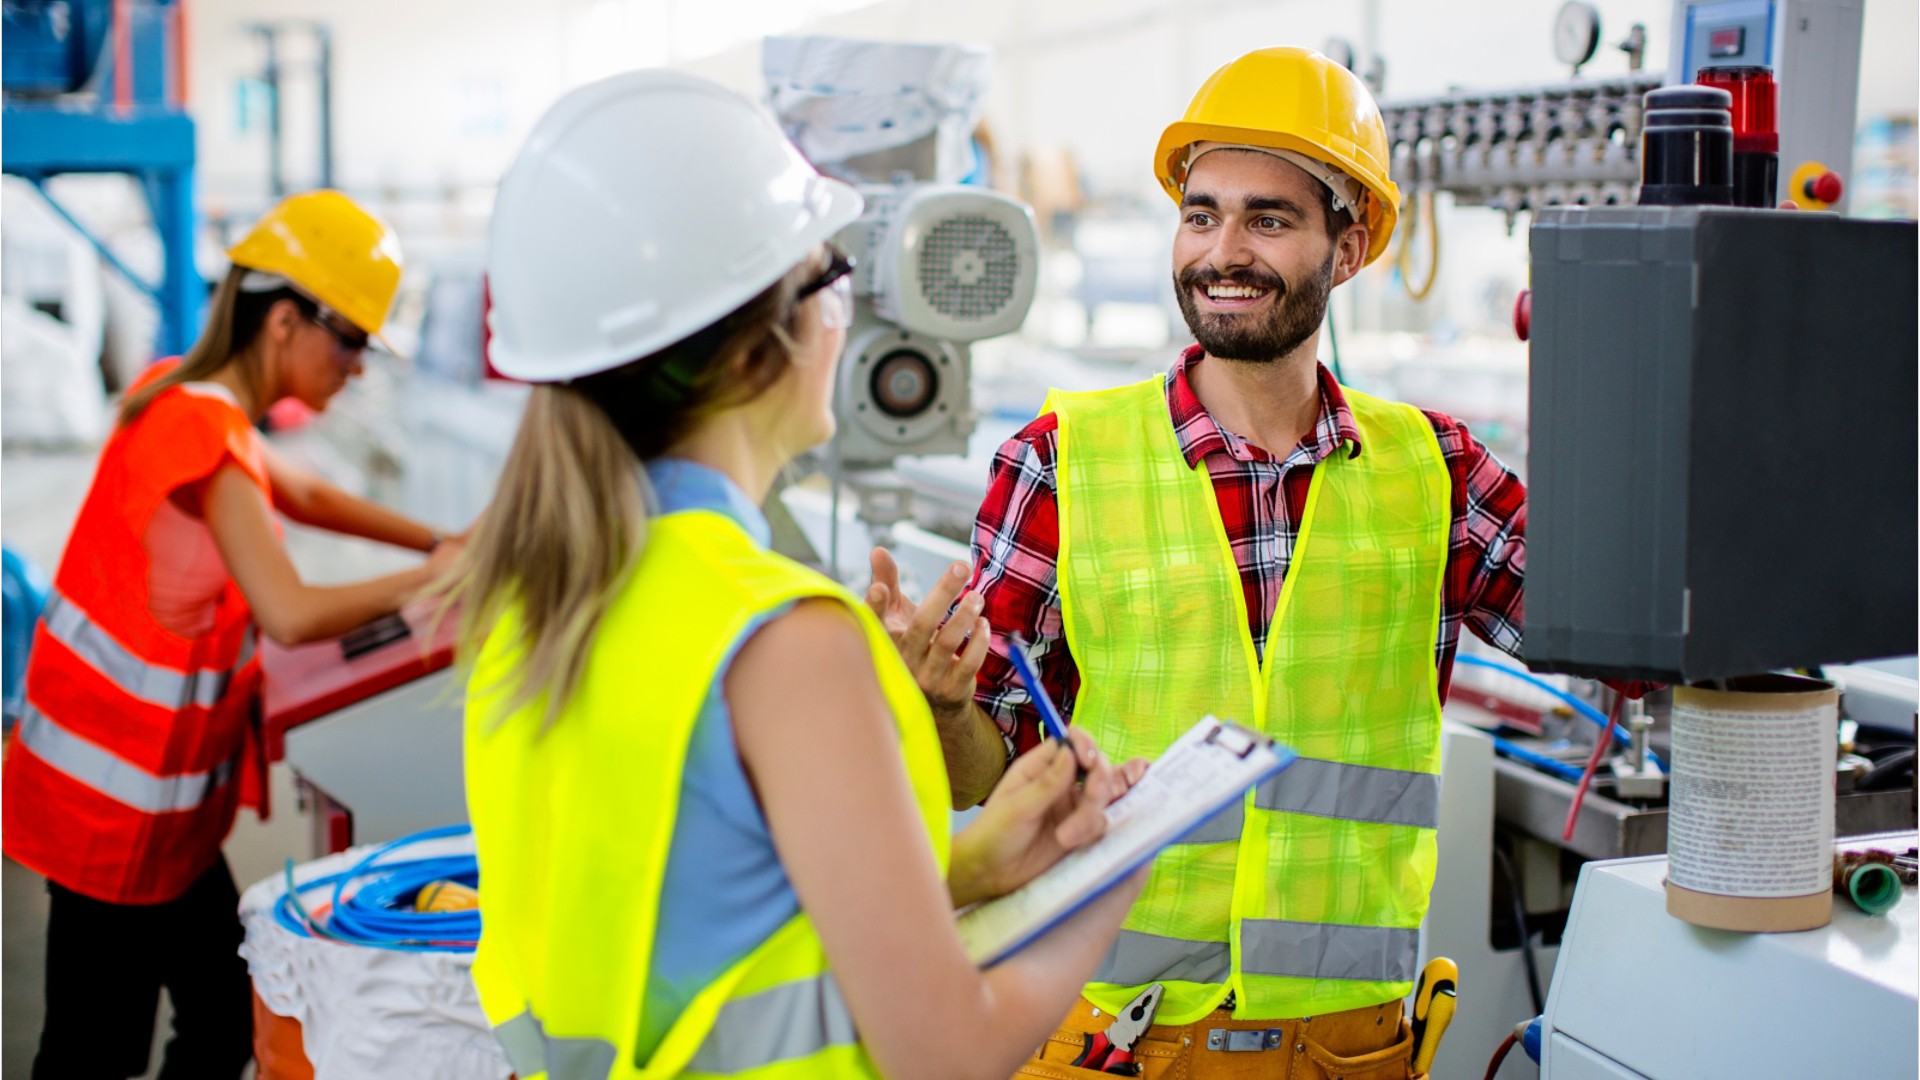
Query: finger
<point x="1088" y="820"/>
<point x="1133" y="771"/>
<point x="967" y="666"/>
<point x="933" y="609"/>
<point x="878" y="597"/>
<point x="953" y="635"/>
<point x="1026" y="767"/>
<point x="885" y="570"/>
<point x="1085" y="748"/>
<point x="1047" y="778"/>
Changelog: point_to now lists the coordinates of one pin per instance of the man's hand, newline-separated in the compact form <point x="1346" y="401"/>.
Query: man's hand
<point x="1037" y="815"/>
<point x="944" y="653"/>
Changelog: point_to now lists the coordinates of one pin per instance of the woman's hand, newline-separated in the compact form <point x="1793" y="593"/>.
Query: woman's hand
<point x="441" y="559"/>
<point x="1036" y="815"/>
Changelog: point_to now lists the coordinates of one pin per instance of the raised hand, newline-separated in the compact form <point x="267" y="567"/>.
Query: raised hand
<point x="943" y="651"/>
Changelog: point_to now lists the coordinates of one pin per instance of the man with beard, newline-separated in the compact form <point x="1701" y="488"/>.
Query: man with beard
<point x="1245" y="537"/>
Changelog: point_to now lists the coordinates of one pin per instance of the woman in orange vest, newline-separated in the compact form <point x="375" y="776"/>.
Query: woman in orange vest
<point x="123" y="778"/>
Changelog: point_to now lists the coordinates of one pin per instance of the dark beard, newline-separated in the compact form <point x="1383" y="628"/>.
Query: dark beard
<point x="1294" y="316"/>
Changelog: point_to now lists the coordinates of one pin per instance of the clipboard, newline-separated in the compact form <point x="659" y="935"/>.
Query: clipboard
<point x="1204" y="772"/>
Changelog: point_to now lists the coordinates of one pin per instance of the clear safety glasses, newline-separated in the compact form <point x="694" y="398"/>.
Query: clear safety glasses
<point x="835" y="284"/>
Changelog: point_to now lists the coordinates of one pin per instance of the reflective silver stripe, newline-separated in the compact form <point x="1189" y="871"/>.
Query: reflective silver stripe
<point x="1333" y="789"/>
<point x="112" y="775"/>
<point x="531" y="1051"/>
<point x="1136" y="958"/>
<point x="1328" y="950"/>
<point x="1267" y="947"/>
<point x="153" y="683"/>
<point x="1221" y="828"/>
<point x="786" y="1022"/>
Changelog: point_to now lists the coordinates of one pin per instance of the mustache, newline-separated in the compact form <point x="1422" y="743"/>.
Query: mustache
<point x="1201" y="276"/>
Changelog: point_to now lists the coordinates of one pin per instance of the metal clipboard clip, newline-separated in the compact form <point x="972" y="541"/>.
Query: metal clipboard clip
<point x="1234" y="739"/>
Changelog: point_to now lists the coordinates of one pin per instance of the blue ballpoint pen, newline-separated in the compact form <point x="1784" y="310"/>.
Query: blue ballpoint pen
<point x="1030" y="679"/>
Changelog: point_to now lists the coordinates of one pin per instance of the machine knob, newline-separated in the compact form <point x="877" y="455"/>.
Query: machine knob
<point x="1523" y="314"/>
<point x="1826" y="188"/>
<point x="1815" y="187"/>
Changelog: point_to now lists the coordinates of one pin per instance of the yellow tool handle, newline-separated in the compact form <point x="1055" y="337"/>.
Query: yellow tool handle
<point x="1439" y="1015"/>
<point x="1433" y="1004"/>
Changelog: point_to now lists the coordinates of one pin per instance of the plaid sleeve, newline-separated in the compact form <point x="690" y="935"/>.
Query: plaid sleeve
<point x="1487" y="563"/>
<point x="1016" y="548"/>
<point x="1487" y="553"/>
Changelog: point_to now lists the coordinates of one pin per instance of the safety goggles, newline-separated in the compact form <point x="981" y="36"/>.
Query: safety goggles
<point x="836" y="283"/>
<point x="350" y="340"/>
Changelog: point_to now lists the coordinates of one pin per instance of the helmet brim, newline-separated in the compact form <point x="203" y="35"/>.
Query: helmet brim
<point x="1383" y="202"/>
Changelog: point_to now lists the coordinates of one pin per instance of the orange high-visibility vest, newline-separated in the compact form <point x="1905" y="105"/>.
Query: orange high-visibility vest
<point x="121" y="782"/>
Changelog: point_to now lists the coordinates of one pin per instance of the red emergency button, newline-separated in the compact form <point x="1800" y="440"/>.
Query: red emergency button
<point x="1826" y="188"/>
<point x="1523" y="314"/>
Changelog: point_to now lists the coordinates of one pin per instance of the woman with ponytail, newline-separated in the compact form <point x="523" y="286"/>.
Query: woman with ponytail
<point x="708" y="798"/>
<point x="124" y="776"/>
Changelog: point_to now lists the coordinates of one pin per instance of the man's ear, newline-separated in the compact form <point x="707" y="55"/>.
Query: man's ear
<point x="1350" y="252"/>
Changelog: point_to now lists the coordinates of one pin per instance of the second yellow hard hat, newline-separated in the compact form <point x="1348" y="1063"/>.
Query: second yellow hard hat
<point x="332" y="249"/>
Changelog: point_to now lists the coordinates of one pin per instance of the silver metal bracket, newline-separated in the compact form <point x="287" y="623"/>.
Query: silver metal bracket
<point x="1235" y="1042"/>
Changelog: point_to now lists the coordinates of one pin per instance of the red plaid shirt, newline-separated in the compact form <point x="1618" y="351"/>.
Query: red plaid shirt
<point x="1016" y="539"/>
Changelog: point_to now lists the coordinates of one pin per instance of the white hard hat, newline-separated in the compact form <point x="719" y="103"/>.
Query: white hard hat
<point x="643" y="208"/>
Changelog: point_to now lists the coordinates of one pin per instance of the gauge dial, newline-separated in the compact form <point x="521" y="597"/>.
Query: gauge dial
<point x="1576" y="33"/>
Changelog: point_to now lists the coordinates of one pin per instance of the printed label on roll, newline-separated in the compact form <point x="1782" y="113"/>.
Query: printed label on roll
<point x="1752" y="808"/>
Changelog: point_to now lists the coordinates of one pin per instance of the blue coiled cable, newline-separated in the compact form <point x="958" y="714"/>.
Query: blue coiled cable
<point x="380" y="913"/>
<point x="1581" y="707"/>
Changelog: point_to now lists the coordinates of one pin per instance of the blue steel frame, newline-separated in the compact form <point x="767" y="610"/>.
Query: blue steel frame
<point x="153" y="140"/>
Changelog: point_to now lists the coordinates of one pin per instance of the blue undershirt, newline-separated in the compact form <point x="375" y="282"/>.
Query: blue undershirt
<point x="725" y="891"/>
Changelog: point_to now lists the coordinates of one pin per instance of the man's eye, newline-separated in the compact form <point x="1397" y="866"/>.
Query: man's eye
<point x="1199" y="219"/>
<point x="1270" y="222"/>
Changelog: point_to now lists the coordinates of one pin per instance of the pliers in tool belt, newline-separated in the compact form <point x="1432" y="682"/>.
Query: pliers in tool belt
<point x="1111" y="1051"/>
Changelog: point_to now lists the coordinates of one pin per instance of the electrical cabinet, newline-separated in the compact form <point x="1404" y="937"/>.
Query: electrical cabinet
<point x="1722" y="462"/>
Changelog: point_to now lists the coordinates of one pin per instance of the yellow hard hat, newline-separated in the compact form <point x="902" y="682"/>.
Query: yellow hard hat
<point x="330" y="248"/>
<point x="1291" y="99"/>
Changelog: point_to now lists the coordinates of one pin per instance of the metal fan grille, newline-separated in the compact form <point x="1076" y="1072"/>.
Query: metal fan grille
<point x="969" y="267"/>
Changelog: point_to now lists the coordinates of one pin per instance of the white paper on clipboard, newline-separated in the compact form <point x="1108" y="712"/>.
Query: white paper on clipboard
<point x="1202" y="773"/>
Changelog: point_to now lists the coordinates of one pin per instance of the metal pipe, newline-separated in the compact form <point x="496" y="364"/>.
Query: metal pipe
<point x="276" y="179"/>
<point x="323" y="34"/>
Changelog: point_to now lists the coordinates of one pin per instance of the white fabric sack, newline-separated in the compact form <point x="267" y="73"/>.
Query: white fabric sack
<point x="52" y="386"/>
<point x="367" y="1014"/>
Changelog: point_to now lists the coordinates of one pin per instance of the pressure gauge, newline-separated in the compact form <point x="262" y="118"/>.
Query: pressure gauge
<point x="1576" y="33"/>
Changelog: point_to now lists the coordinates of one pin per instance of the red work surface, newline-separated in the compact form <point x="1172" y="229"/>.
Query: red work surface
<point x="306" y="682"/>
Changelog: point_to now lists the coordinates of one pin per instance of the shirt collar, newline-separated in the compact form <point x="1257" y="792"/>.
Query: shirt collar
<point x="679" y="484"/>
<point x="1200" y="435"/>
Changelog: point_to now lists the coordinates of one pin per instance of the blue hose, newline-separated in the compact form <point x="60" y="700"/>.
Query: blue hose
<point x="1581" y="707"/>
<point x="1539" y="761"/>
<point x="380" y="913"/>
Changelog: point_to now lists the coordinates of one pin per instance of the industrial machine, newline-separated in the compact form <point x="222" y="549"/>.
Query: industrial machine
<point x="1669" y="526"/>
<point x="940" y="265"/>
<point x="1577" y="143"/>
<point x="94" y="86"/>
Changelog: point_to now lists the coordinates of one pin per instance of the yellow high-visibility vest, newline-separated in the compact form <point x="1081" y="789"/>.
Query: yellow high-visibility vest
<point x="573" y="825"/>
<point x="1308" y="899"/>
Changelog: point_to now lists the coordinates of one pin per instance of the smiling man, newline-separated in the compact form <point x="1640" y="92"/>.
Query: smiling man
<point x="1245" y="537"/>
